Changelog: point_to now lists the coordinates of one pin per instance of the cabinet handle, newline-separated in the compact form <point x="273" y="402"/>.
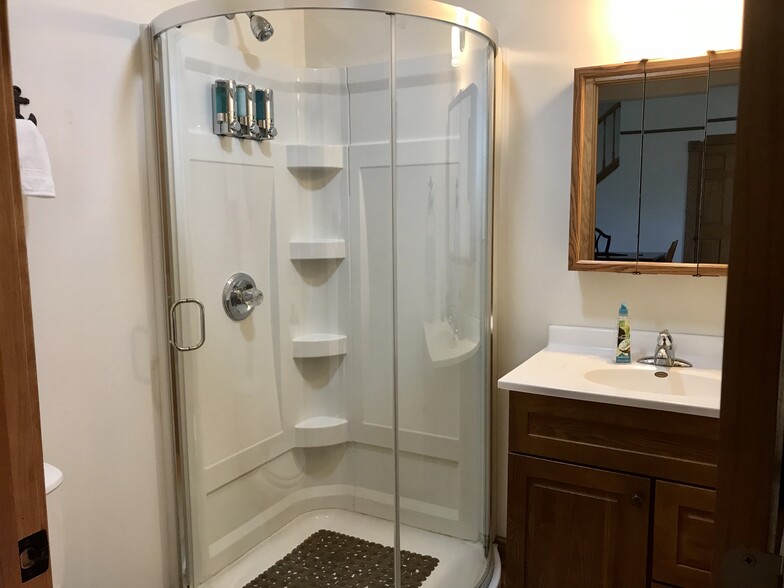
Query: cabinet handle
<point x="637" y="500"/>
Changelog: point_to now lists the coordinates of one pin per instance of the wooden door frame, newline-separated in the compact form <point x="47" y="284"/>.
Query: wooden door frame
<point x="750" y="432"/>
<point x="22" y="492"/>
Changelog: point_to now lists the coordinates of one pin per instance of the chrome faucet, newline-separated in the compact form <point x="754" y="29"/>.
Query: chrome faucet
<point x="665" y="353"/>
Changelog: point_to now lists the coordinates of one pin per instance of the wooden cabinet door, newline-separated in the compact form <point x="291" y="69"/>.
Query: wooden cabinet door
<point x="575" y="526"/>
<point x="683" y="535"/>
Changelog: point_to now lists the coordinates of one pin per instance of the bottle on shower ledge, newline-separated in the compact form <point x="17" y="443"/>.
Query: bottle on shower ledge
<point x="623" y="347"/>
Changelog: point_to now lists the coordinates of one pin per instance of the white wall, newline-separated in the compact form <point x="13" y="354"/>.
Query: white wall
<point x="542" y="44"/>
<point x="79" y="62"/>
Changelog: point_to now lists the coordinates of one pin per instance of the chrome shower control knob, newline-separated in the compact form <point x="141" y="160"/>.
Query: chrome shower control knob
<point x="240" y="296"/>
<point x="251" y="296"/>
<point x="273" y="132"/>
<point x="235" y="126"/>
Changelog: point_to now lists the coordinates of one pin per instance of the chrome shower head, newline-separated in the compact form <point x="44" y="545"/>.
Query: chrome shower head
<point x="260" y="27"/>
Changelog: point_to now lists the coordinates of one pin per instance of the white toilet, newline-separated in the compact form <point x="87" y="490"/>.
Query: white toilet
<point x="53" y="478"/>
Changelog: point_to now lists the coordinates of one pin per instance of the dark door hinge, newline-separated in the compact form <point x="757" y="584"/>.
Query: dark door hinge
<point x="34" y="555"/>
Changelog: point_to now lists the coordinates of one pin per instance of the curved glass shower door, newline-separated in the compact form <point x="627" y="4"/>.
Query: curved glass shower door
<point x="444" y="93"/>
<point x="328" y="285"/>
<point x="271" y="402"/>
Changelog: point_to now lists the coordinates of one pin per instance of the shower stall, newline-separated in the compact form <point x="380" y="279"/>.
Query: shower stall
<point x="326" y="198"/>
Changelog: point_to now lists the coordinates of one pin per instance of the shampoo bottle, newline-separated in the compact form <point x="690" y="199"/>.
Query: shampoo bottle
<point x="623" y="348"/>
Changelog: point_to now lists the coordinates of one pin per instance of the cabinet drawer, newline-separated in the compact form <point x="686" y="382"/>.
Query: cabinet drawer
<point x="572" y="526"/>
<point x="683" y="535"/>
<point x="654" y="443"/>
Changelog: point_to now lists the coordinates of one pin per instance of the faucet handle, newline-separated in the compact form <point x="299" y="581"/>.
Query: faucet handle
<point x="664" y="339"/>
<point x="251" y="297"/>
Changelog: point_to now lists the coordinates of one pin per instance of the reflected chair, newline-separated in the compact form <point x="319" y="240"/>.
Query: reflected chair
<point x="671" y="251"/>
<point x="598" y="235"/>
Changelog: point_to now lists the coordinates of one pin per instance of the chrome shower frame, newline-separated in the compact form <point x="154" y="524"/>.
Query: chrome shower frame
<point x="164" y="248"/>
<point x="431" y="9"/>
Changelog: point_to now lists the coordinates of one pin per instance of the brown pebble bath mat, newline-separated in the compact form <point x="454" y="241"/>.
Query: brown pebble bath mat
<point x="328" y="559"/>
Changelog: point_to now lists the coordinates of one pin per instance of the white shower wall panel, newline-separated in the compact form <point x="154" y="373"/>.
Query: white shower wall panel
<point x="285" y="48"/>
<point x="370" y="256"/>
<point x="243" y="206"/>
<point x="238" y="207"/>
<point x="428" y="394"/>
<point x="439" y="436"/>
<point x="430" y="489"/>
<point x="233" y="377"/>
<point x="322" y="107"/>
<point x="242" y="514"/>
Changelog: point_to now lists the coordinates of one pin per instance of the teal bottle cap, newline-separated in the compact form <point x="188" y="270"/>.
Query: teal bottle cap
<point x="623" y="310"/>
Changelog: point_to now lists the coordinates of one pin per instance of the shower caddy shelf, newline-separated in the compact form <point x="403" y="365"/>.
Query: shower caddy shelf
<point x="327" y="157"/>
<point x="319" y="345"/>
<point x="320" y="431"/>
<point x="317" y="249"/>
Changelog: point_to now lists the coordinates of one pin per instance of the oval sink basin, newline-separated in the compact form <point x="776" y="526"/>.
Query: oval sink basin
<point x="679" y="381"/>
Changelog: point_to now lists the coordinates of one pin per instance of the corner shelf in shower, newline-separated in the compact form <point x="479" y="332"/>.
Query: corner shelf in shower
<point x="319" y="345"/>
<point x="315" y="156"/>
<point x="318" y="249"/>
<point x="320" y="431"/>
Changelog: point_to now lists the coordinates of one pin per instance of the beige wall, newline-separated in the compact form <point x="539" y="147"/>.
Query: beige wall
<point x="79" y="62"/>
<point x="542" y="44"/>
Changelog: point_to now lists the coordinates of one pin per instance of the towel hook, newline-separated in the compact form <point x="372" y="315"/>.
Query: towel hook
<point x="20" y="100"/>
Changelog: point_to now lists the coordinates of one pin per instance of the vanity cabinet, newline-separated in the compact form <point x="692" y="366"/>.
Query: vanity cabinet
<point x="576" y="526"/>
<point x="607" y="496"/>
<point x="683" y="534"/>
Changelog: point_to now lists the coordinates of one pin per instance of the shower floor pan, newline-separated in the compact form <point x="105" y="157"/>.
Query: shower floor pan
<point x="461" y="564"/>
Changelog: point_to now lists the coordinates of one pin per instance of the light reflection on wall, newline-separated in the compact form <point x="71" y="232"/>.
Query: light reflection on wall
<point x="671" y="28"/>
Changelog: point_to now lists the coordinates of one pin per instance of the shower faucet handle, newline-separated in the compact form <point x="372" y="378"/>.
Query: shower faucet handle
<point x="250" y="296"/>
<point x="240" y="296"/>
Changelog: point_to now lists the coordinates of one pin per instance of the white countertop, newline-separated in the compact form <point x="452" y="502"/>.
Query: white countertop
<point x="578" y="363"/>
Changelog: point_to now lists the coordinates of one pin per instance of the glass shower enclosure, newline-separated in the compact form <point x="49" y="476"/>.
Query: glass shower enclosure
<point x="326" y="202"/>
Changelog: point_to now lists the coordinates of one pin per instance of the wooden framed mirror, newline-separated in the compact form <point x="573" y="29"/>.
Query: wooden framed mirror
<point x="653" y="156"/>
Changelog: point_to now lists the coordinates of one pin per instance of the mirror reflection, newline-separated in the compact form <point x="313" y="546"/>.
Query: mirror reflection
<point x="659" y="190"/>
<point x="711" y="228"/>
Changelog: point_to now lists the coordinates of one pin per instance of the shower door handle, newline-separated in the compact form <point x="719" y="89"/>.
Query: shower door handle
<point x="173" y="324"/>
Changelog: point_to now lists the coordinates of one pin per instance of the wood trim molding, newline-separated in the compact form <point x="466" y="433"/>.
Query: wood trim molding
<point x="650" y="267"/>
<point x="750" y="430"/>
<point x="22" y="494"/>
<point x="587" y="81"/>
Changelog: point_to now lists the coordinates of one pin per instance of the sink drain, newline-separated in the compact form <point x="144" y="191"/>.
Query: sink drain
<point x="660" y="374"/>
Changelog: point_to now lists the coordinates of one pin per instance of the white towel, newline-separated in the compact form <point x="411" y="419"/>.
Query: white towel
<point x="34" y="165"/>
